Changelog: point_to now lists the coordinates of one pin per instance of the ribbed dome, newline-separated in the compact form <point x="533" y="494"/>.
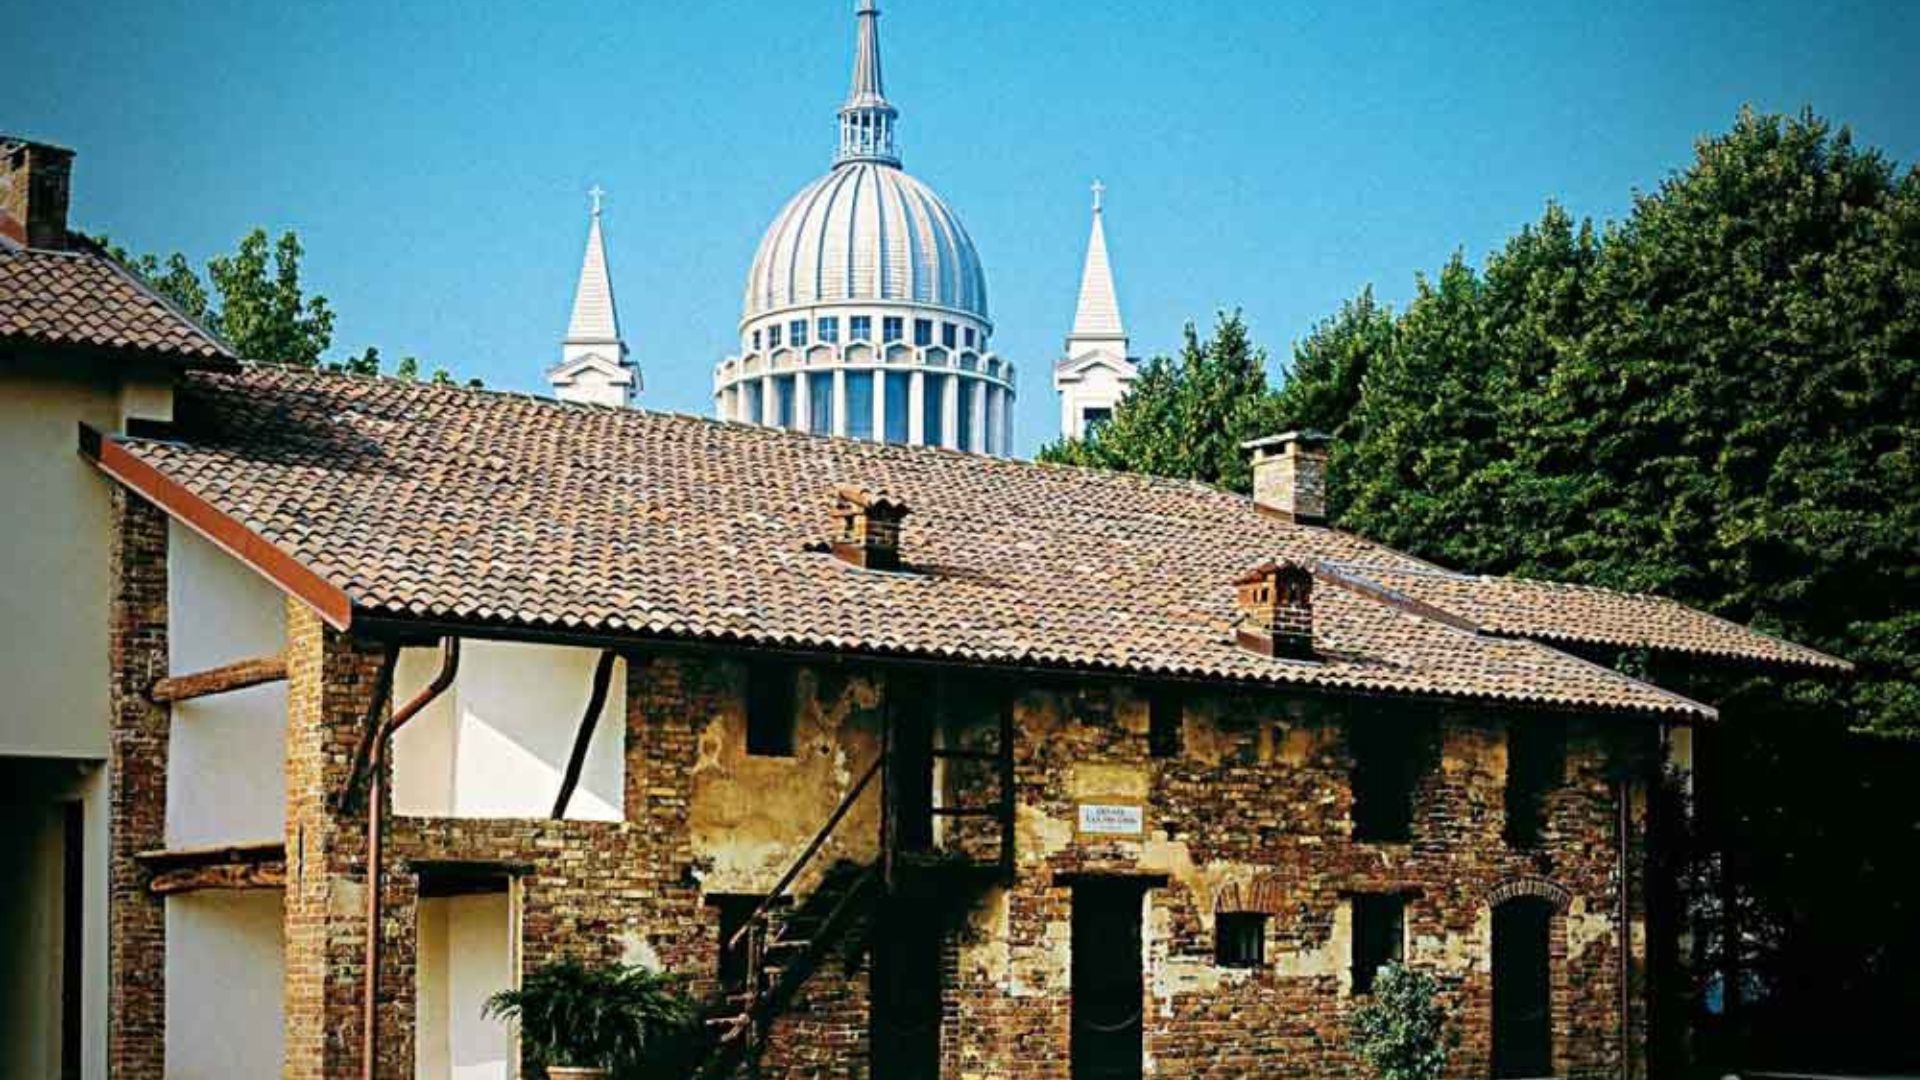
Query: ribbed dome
<point x="866" y="231"/>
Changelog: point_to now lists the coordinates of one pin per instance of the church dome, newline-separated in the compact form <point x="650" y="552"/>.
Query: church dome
<point x="867" y="231"/>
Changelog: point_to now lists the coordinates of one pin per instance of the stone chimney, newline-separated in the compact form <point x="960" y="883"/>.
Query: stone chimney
<point x="1290" y="475"/>
<point x="33" y="192"/>
<point x="1276" y="610"/>
<point x="869" y="527"/>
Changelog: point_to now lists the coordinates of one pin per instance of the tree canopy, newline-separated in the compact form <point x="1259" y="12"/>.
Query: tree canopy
<point x="1713" y="399"/>
<point x="257" y="303"/>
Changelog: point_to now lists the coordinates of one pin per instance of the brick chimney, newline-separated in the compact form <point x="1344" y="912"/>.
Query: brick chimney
<point x="1290" y="475"/>
<point x="1276" y="610"/>
<point x="33" y="192"/>
<point x="869" y="527"/>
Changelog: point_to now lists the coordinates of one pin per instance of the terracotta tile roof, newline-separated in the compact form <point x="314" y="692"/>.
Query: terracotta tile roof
<point x="1547" y="611"/>
<point x="77" y="298"/>
<point x="438" y="503"/>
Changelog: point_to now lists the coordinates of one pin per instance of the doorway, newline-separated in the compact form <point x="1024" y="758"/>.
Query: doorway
<point x="1522" y="988"/>
<point x="1109" y="991"/>
<point x="907" y="966"/>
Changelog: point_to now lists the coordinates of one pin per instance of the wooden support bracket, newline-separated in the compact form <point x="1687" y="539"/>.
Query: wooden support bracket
<point x="243" y="866"/>
<point x="228" y="677"/>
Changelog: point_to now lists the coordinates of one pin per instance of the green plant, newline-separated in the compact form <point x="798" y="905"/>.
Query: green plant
<point x="1402" y="1033"/>
<point x="626" y="1019"/>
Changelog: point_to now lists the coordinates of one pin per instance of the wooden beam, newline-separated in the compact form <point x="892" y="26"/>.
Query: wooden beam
<point x="224" y="679"/>
<point x="264" y="875"/>
<point x="184" y="858"/>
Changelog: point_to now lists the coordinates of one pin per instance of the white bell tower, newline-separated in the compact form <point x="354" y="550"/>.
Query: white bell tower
<point x="593" y="365"/>
<point x="1095" y="372"/>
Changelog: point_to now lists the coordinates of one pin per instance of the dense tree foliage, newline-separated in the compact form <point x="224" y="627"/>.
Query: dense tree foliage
<point x="1713" y="399"/>
<point x="257" y="303"/>
<point x="1186" y="417"/>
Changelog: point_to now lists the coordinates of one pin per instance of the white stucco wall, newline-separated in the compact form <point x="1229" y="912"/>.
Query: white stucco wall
<point x="53" y="566"/>
<point x="496" y="744"/>
<point x="465" y="955"/>
<point x="224" y="965"/>
<point x="226" y="759"/>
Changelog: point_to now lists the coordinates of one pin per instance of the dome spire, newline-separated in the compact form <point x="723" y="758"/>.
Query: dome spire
<point x="866" y="120"/>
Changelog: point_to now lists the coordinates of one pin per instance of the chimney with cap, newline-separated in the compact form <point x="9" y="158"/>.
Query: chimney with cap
<point x="1276" y="610"/>
<point x="869" y="527"/>
<point x="1290" y="476"/>
<point x="33" y="192"/>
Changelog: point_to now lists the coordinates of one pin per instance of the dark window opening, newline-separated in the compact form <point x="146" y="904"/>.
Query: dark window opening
<point x="1536" y="766"/>
<point x="1389" y="754"/>
<point x="1240" y="939"/>
<point x="1379" y="931"/>
<point x="1093" y="418"/>
<point x="948" y="334"/>
<point x="770" y="710"/>
<point x="1164" y="724"/>
<point x="890" y="327"/>
<point x="923" y="331"/>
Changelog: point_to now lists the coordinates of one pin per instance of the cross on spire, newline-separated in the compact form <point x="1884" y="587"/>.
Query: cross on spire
<point x="1099" y="189"/>
<point x="595" y="193"/>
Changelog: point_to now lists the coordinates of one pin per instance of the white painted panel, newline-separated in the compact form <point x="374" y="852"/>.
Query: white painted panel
<point x="224" y="964"/>
<point x="226" y="761"/>
<point x="496" y="744"/>
<point x="465" y="956"/>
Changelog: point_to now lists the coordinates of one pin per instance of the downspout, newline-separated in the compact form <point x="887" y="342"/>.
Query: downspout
<point x="376" y="817"/>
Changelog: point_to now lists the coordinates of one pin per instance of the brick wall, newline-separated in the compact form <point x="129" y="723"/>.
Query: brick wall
<point x="136" y="919"/>
<point x="1256" y="805"/>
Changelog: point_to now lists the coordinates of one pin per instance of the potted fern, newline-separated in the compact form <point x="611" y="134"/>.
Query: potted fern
<point x="589" y="1022"/>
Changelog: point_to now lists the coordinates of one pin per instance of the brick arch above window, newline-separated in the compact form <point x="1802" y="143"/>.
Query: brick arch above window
<point x="1262" y="895"/>
<point x="1534" y="887"/>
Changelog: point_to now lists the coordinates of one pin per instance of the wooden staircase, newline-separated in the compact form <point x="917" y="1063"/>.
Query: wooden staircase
<point x="782" y="946"/>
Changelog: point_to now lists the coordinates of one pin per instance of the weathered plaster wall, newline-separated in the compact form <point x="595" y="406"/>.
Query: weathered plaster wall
<point x="224" y="968"/>
<point x="751" y="816"/>
<point x="496" y="744"/>
<point x="226" y="751"/>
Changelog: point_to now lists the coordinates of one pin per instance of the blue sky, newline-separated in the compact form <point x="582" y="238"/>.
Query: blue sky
<point x="1270" y="156"/>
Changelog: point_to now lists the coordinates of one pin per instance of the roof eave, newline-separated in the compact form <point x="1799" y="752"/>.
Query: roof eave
<point x="219" y="528"/>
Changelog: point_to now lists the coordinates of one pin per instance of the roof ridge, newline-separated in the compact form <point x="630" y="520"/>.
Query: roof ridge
<point x="140" y="282"/>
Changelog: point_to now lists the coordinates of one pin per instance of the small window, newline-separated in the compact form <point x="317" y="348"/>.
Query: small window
<point x="756" y="341"/>
<point x="949" y="334"/>
<point x="860" y="328"/>
<point x="797" y="332"/>
<point x="1094" y="419"/>
<point x="773" y="336"/>
<point x="1379" y="936"/>
<point x="923" y="331"/>
<point x="1164" y="724"/>
<point x="770" y="711"/>
<point x="1240" y="939"/>
<point x="1389" y="754"/>
<point x="829" y="329"/>
<point x="891" y="327"/>
<point x="1536" y="765"/>
<point x="971" y="334"/>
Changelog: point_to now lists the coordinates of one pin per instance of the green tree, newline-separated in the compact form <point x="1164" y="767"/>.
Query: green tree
<point x="263" y="311"/>
<point x="1186" y="417"/>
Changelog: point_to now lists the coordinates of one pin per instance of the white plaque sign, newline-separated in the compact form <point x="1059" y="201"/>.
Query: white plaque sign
<point x="1112" y="819"/>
